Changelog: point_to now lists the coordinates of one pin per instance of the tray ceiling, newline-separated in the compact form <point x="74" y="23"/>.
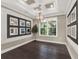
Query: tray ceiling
<point x="45" y="6"/>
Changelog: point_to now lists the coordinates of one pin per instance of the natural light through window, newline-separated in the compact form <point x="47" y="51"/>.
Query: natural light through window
<point x="48" y="27"/>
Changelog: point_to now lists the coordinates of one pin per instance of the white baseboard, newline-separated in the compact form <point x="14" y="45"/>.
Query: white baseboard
<point x="59" y="43"/>
<point x="69" y="51"/>
<point x="51" y="41"/>
<point x="8" y="49"/>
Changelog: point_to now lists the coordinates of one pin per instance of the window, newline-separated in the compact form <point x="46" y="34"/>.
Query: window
<point x="48" y="28"/>
<point x="52" y="28"/>
<point x="43" y="28"/>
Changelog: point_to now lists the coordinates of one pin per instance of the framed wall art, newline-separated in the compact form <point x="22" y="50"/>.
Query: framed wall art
<point x="22" y="31"/>
<point x="73" y="14"/>
<point x="22" y="22"/>
<point x="73" y="23"/>
<point x="13" y="21"/>
<point x="28" y="24"/>
<point x="73" y="31"/>
<point x="13" y="31"/>
<point x="17" y="26"/>
<point x="28" y="30"/>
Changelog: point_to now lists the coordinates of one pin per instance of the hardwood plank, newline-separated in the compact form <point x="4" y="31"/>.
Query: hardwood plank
<point x="38" y="50"/>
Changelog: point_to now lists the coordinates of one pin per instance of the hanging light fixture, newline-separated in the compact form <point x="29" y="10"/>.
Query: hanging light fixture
<point x="40" y="16"/>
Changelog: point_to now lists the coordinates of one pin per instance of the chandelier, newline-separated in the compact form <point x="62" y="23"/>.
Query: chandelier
<point x="40" y="16"/>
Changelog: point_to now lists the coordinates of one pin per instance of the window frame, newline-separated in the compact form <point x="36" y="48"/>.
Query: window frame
<point x="54" y="19"/>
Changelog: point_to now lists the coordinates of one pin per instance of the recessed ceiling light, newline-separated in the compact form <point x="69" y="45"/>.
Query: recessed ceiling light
<point x="51" y="6"/>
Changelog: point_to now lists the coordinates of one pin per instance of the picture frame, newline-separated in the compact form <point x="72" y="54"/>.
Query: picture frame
<point x="13" y="21"/>
<point x="73" y="23"/>
<point x="22" y="31"/>
<point x="13" y="31"/>
<point x="73" y="31"/>
<point x="22" y="22"/>
<point x="28" y="30"/>
<point x="28" y="23"/>
<point x="17" y="26"/>
<point x="73" y="14"/>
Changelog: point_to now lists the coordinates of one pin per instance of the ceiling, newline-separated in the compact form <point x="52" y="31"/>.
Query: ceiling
<point x="46" y="7"/>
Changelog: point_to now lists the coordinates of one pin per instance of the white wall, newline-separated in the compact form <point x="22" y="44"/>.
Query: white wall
<point x="18" y="6"/>
<point x="61" y="31"/>
<point x="11" y="42"/>
<point x="72" y="47"/>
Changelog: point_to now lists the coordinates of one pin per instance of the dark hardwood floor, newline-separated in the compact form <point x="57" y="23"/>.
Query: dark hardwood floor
<point x="38" y="50"/>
